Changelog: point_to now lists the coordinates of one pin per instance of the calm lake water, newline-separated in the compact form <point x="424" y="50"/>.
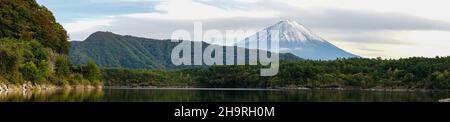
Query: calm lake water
<point x="220" y="95"/>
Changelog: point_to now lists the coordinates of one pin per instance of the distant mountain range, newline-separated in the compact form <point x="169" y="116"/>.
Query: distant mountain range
<point x="297" y="39"/>
<point x="111" y="50"/>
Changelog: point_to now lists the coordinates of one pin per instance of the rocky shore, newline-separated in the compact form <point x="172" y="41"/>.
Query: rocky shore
<point x="42" y="87"/>
<point x="445" y="100"/>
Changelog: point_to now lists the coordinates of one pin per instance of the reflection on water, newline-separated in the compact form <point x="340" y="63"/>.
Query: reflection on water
<point x="141" y="95"/>
<point x="91" y="95"/>
<point x="214" y="95"/>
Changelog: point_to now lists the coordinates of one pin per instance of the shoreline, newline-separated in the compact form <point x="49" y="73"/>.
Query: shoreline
<point x="50" y="87"/>
<point x="277" y="88"/>
<point x="4" y="87"/>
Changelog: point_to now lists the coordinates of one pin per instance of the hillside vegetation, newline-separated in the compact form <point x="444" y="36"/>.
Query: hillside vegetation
<point x="30" y="61"/>
<point x="27" y="20"/>
<point x="411" y="73"/>
<point x="34" y="47"/>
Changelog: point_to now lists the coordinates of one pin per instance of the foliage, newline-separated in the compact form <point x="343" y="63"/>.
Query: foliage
<point x="27" y="20"/>
<point x="411" y="73"/>
<point x="91" y="71"/>
<point x="29" y="61"/>
<point x="30" y="72"/>
<point x="30" y="39"/>
<point x="63" y="66"/>
<point x="136" y="78"/>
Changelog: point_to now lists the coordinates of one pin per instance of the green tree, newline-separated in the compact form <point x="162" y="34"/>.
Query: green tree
<point x="30" y="72"/>
<point x="91" y="71"/>
<point x="27" y="20"/>
<point x="39" y="51"/>
<point x="11" y="58"/>
<point x="63" y="66"/>
<point x="438" y="80"/>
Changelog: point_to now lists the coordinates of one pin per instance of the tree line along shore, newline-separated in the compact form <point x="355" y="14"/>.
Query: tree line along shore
<point x="416" y="73"/>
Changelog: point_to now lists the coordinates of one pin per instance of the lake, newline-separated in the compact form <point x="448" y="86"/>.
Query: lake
<point x="220" y="95"/>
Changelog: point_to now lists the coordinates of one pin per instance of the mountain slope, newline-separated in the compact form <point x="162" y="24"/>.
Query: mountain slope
<point x="300" y="41"/>
<point x="110" y="50"/>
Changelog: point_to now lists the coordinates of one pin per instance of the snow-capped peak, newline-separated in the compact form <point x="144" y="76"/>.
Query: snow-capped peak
<point x="296" y="39"/>
<point x="292" y="31"/>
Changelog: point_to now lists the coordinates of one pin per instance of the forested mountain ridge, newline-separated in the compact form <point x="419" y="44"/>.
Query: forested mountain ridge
<point x="27" y="20"/>
<point x="111" y="50"/>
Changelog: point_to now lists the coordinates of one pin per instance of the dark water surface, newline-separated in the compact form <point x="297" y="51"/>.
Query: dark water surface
<point x="220" y="95"/>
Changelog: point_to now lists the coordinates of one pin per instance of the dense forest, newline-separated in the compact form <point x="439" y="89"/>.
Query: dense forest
<point x="358" y="73"/>
<point x="26" y="19"/>
<point x="34" y="48"/>
<point x="30" y="61"/>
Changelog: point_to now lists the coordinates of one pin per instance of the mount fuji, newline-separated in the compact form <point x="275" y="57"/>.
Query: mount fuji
<point x="297" y="39"/>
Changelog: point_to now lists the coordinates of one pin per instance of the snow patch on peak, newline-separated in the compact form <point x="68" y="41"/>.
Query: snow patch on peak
<point x="292" y="31"/>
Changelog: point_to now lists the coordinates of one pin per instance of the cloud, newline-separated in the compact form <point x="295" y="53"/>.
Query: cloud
<point x="173" y="15"/>
<point x="364" y="37"/>
<point x="369" y="20"/>
<point x="70" y="11"/>
<point x="314" y="15"/>
<point x="257" y="14"/>
<point x="370" y="49"/>
<point x="83" y="28"/>
<point x="430" y="9"/>
<point x="83" y="25"/>
<point x="417" y="43"/>
<point x="191" y="10"/>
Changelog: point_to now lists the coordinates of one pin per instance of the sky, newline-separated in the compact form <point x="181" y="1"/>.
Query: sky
<point x="369" y="28"/>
